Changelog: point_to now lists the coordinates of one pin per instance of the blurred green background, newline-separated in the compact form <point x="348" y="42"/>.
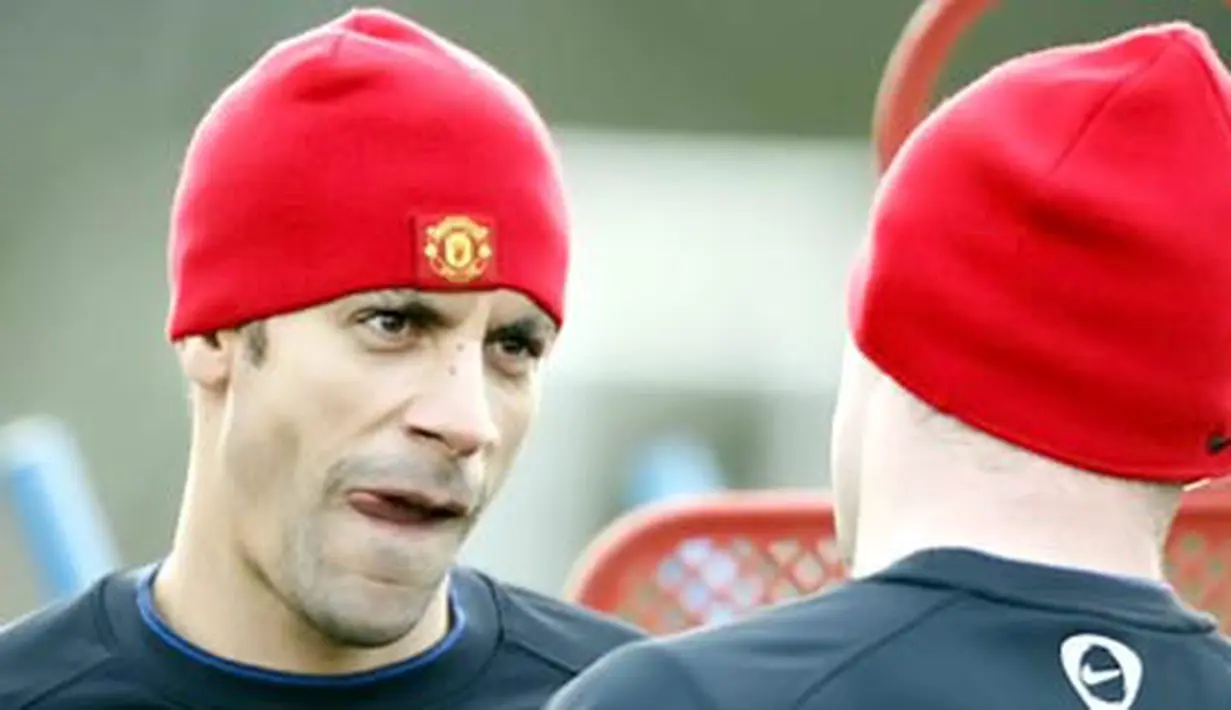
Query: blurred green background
<point x="737" y="129"/>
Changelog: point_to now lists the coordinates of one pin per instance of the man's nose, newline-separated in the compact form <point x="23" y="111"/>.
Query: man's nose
<point x="454" y="408"/>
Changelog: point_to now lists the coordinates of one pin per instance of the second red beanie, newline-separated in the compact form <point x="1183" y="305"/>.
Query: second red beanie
<point x="1050" y="260"/>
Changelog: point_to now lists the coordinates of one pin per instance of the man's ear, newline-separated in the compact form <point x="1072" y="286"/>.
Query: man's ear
<point x="207" y="360"/>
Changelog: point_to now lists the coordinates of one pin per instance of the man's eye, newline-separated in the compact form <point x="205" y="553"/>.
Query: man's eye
<point x="521" y="347"/>
<point x="389" y="323"/>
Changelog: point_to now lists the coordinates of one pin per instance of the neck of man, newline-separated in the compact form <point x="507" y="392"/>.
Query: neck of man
<point x="1032" y="510"/>
<point x="215" y="596"/>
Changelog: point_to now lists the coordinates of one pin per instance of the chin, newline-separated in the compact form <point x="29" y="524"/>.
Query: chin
<point x="357" y="611"/>
<point x="363" y="629"/>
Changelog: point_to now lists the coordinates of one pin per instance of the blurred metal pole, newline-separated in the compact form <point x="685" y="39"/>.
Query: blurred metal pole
<point x="42" y="471"/>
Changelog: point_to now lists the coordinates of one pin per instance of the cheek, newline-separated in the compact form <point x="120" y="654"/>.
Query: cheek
<point x="846" y="455"/>
<point x="848" y="449"/>
<point x="514" y="409"/>
<point x="328" y="402"/>
<point x="260" y="444"/>
<point x="290" y="420"/>
<point x="261" y="451"/>
<point x="848" y="441"/>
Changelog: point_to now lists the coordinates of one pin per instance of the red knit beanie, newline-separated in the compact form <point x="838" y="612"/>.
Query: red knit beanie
<point x="1050" y="257"/>
<point x="368" y="153"/>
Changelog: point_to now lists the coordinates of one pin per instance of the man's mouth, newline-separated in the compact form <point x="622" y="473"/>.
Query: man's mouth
<point x="404" y="508"/>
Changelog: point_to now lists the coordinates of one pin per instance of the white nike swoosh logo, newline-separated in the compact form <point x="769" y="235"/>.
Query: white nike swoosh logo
<point x="1089" y="676"/>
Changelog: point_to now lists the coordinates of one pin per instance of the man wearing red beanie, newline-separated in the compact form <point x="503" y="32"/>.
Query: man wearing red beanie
<point x="1040" y="362"/>
<point x="368" y="255"/>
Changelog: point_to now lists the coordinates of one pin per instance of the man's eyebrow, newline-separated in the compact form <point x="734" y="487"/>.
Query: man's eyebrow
<point x="528" y="326"/>
<point x="393" y="298"/>
<point x="405" y="301"/>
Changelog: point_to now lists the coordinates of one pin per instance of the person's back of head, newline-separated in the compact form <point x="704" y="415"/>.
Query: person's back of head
<point x="1041" y="354"/>
<point x="1040" y="363"/>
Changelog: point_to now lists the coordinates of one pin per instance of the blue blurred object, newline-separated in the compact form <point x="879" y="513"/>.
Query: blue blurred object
<point x="673" y="467"/>
<point x="41" y="470"/>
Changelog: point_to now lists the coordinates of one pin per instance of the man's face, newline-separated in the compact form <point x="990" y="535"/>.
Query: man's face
<point x="361" y="445"/>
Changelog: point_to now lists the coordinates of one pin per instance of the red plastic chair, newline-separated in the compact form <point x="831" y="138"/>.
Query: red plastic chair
<point x="674" y="566"/>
